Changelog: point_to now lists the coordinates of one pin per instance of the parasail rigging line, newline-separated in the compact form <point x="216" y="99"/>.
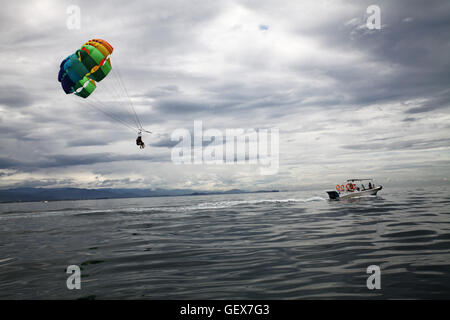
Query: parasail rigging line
<point x="110" y="115"/>
<point x="117" y="72"/>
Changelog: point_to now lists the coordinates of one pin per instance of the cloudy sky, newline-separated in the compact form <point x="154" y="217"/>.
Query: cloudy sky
<point x="348" y="101"/>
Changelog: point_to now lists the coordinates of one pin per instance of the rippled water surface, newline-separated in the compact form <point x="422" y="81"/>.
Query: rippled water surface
<point x="294" y="245"/>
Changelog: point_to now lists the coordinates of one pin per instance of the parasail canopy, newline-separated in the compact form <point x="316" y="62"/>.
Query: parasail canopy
<point x="80" y="71"/>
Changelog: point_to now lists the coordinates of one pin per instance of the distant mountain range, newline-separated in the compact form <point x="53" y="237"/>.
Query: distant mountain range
<point x="55" y="194"/>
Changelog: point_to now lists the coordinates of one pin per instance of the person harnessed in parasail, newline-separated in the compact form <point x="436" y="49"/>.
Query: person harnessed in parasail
<point x="139" y="141"/>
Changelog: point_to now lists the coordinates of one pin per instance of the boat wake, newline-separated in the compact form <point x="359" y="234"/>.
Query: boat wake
<point x="227" y="204"/>
<point x="159" y="208"/>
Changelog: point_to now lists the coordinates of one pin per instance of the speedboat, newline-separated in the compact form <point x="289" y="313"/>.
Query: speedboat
<point x="354" y="188"/>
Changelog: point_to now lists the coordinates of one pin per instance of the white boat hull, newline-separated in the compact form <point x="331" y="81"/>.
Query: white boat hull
<point x="345" y="195"/>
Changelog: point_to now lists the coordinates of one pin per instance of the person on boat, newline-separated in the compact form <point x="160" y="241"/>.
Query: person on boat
<point x="370" y="185"/>
<point x="139" y="141"/>
<point x="362" y="186"/>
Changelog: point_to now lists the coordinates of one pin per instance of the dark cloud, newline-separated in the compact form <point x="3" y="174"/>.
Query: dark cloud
<point x="90" y="159"/>
<point x="181" y="106"/>
<point x="39" y="183"/>
<point x="402" y="61"/>
<point x="416" y="144"/>
<point x="5" y="174"/>
<point x="162" y="141"/>
<point x="7" y="163"/>
<point x="116" y="182"/>
<point x="86" y="142"/>
<point x="163" y="91"/>
<point x="439" y="101"/>
<point x="15" y="96"/>
<point x="62" y="160"/>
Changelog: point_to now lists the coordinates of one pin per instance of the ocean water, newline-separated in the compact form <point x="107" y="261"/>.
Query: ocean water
<point x="295" y="245"/>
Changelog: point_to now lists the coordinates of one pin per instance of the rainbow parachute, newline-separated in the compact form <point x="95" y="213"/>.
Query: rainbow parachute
<point x="80" y="71"/>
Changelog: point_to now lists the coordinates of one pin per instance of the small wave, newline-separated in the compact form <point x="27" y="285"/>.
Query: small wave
<point x="6" y="261"/>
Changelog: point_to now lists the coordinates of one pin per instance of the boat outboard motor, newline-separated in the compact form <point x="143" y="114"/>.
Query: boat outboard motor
<point x="333" y="195"/>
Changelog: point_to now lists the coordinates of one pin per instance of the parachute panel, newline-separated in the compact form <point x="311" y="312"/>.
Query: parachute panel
<point x="75" y="68"/>
<point x="86" y="87"/>
<point x="67" y="85"/>
<point x="103" y="46"/>
<point x="85" y="58"/>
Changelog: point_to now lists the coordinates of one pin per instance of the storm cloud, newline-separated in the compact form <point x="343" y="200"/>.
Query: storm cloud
<point x="347" y="100"/>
